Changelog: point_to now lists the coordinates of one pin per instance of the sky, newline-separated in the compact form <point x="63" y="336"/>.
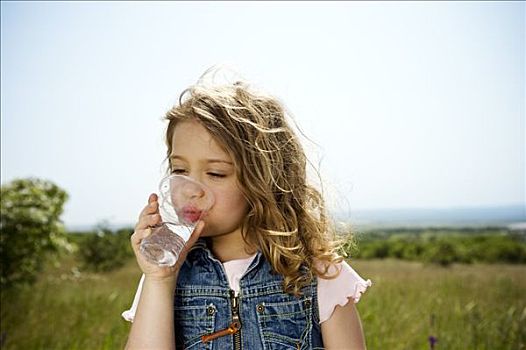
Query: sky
<point x="403" y="104"/>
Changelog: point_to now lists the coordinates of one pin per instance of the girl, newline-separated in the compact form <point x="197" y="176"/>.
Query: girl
<point x="260" y="270"/>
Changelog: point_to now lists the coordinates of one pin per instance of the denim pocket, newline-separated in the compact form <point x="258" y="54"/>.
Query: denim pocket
<point x="285" y="324"/>
<point x="192" y="322"/>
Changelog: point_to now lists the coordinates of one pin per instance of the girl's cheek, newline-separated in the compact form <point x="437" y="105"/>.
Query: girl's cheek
<point x="218" y="203"/>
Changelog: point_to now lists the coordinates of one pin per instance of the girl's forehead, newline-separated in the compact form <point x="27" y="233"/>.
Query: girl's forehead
<point x="191" y="138"/>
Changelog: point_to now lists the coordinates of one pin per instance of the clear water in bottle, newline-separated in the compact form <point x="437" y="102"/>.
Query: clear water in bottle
<point x="182" y="203"/>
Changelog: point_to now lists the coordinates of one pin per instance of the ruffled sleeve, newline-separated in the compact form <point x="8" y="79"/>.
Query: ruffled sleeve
<point x="337" y="291"/>
<point x="129" y="314"/>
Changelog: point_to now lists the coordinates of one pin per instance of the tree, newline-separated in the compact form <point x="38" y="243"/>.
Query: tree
<point x="30" y="227"/>
<point x="105" y="250"/>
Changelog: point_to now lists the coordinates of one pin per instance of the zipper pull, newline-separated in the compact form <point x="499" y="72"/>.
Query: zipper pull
<point x="232" y="329"/>
<point x="234" y="300"/>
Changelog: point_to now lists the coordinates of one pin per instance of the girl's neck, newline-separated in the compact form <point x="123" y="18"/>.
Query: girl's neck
<point x="230" y="247"/>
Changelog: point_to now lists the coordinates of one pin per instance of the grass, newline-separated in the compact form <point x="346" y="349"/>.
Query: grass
<point x="465" y="306"/>
<point x="472" y="306"/>
<point x="66" y="309"/>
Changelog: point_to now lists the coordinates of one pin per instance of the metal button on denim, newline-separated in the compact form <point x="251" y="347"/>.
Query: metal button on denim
<point x="210" y="310"/>
<point x="260" y="308"/>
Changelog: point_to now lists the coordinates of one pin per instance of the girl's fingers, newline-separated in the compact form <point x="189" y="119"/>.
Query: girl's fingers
<point x="146" y="221"/>
<point x="152" y="207"/>
<point x="148" y="218"/>
<point x="152" y="198"/>
<point x="193" y="238"/>
<point x="197" y="231"/>
<point x="139" y="235"/>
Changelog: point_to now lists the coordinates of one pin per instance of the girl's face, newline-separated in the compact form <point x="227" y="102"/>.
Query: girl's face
<point x="196" y="154"/>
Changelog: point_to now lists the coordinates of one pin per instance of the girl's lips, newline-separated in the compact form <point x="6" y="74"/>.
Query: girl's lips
<point x="191" y="215"/>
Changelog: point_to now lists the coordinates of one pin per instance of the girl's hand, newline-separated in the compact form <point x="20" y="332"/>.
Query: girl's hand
<point x="148" y="218"/>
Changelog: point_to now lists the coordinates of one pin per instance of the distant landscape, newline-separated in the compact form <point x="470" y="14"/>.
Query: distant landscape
<point x="501" y="216"/>
<point x="510" y="216"/>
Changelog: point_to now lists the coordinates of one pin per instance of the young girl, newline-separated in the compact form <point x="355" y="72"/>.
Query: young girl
<point x="260" y="271"/>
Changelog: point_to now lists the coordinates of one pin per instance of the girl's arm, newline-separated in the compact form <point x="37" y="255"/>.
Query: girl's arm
<point x="343" y="330"/>
<point x="153" y="324"/>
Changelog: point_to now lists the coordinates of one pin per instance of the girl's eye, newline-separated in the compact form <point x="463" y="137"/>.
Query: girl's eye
<point x="178" y="171"/>
<point x="216" y="175"/>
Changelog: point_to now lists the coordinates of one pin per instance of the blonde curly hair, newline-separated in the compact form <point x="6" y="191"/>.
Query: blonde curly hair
<point x="287" y="219"/>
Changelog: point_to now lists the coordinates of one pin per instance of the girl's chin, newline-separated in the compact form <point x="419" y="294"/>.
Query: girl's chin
<point x="206" y="232"/>
<point x="210" y="231"/>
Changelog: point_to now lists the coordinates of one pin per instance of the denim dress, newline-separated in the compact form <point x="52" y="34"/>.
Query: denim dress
<point x="208" y="315"/>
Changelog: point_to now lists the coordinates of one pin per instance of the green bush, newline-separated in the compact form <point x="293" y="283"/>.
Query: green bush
<point x="443" y="247"/>
<point x="104" y="250"/>
<point x="506" y="251"/>
<point x="442" y="252"/>
<point x="30" y="227"/>
<point x="413" y="251"/>
<point x="374" y="249"/>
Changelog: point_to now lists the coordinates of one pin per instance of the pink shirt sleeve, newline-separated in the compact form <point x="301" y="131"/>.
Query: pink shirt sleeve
<point x="337" y="291"/>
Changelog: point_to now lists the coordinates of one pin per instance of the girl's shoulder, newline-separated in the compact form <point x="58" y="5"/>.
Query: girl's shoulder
<point x="347" y="286"/>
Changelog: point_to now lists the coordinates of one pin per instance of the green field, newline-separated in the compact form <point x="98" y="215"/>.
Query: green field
<point x="476" y="306"/>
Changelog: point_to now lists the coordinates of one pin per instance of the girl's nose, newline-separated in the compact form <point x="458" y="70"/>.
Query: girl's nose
<point x="192" y="190"/>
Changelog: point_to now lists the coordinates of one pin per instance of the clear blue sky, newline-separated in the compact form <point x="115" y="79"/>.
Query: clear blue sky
<point x="412" y="104"/>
